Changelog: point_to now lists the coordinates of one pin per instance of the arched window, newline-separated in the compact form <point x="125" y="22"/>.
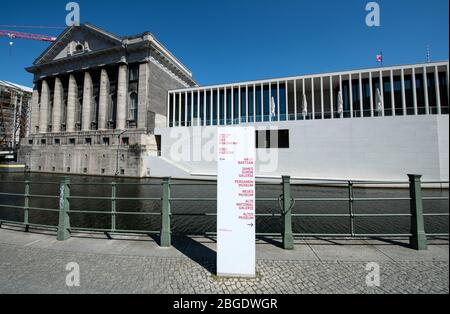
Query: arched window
<point x="133" y="108"/>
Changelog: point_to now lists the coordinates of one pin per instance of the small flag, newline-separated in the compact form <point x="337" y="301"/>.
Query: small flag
<point x="380" y="58"/>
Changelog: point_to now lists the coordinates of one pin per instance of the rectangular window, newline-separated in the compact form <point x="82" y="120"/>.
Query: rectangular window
<point x="106" y="141"/>
<point x="30" y="142"/>
<point x="57" y="141"/>
<point x="71" y="141"/>
<point x="125" y="141"/>
<point x="272" y="139"/>
<point x="88" y="141"/>
<point x="43" y="142"/>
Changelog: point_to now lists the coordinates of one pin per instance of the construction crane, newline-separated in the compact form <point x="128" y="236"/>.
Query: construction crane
<point x="13" y="35"/>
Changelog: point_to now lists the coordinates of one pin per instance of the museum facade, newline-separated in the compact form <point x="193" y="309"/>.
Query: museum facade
<point x="96" y="100"/>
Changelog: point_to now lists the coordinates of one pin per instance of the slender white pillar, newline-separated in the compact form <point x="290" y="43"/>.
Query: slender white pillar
<point x="247" y="103"/>
<point x="262" y="102"/>
<point x="35" y="111"/>
<point x="403" y="92"/>
<point x="350" y="87"/>
<point x="416" y="110"/>
<point x="205" y="100"/>
<point x="199" y="121"/>
<point x="438" y="90"/>
<point x="392" y="93"/>
<point x="105" y="99"/>
<point x="448" y="83"/>
<point x="71" y="103"/>
<point x="371" y="94"/>
<point x="361" y="98"/>
<point x="232" y="105"/>
<point x="270" y="101"/>
<point x="303" y="93"/>
<point x="382" y="93"/>
<point x="174" y="98"/>
<point x="57" y="106"/>
<point x="186" y="109"/>
<point x="240" y="105"/>
<point x="295" y="100"/>
<point x="278" y="100"/>
<point x="331" y="98"/>
<point x="425" y="89"/>
<point x="211" y="106"/>
<point x="225" y="103"/>
<point x="322" y="104"/>
<point x="287" y="100"/>
<point x="342" y="95"/>
<point x="254" y="102"/>
<point x="179" y="104"/>
<point x="87" y="102"/>
<point x="313" y="100"/>
<point x="122" y="97"/>
<point x="168" y="110"/>
<point x="191" y="104"/>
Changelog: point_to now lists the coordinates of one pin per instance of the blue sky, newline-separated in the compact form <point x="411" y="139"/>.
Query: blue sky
<point x="237" y="40"/>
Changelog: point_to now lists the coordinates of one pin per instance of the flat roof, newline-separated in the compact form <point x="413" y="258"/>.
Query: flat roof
<point x="376" y="69"/>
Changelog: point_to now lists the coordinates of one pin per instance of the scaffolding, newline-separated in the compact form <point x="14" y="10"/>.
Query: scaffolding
<point x="15" y="104"/>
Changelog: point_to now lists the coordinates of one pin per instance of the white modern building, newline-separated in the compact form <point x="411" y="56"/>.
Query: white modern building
<point x="370" y="124"/>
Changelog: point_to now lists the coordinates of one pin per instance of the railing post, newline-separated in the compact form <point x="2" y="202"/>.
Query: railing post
<point x="26" y="207"/>
<point x="165" y="236"/>
<point x="350" y="208"/>
<point x="288" y="238"/>
<point x="418" y="240"/>
<point x="113" y="206"/>
<point x="64" y="207"/>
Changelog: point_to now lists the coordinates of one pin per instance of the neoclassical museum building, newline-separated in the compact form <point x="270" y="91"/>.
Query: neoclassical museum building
<point x="97" y="99"/>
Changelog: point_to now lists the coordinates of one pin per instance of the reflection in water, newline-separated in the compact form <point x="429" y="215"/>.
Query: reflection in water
<point x="201" y="224"/>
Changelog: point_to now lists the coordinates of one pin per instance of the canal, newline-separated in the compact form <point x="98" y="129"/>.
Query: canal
<point x="196" y="225"/>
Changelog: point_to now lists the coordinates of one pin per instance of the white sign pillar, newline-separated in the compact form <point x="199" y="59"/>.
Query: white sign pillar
<point x="236" y="240"/>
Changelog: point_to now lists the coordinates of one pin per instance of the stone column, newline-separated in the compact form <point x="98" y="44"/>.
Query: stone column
<point x="103" y="100"/>
<point x="122" y="91"/>
<point x="144" y="74"/>
<point x="34" y="110"/>
<point x="71" y="103"/>
<point x="86" y="118"/>
<point x="43" y="114"/>
<point x="57" y="106"/>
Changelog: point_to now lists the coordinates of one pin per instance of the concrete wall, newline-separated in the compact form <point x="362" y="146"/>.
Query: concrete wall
<point x="385" y="148"/>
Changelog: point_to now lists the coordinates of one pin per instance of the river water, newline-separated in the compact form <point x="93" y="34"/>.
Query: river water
<point x="194" y="225"/>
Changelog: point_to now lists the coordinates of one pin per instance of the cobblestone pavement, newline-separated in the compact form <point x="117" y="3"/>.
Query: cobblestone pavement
<point x="40" y="270"/>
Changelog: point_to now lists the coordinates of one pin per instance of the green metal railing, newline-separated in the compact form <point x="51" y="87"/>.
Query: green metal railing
<point x="286" y="202"/>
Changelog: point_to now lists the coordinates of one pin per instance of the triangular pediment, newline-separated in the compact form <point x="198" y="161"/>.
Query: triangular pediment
<point x="78" y="40"/>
